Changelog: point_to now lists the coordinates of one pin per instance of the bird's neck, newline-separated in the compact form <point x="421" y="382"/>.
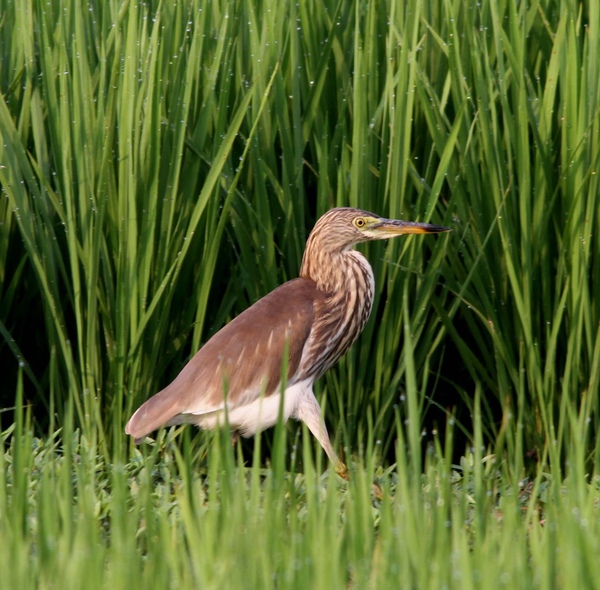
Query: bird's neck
<point x="347" y="280"/>
<point x="338" y="270"/>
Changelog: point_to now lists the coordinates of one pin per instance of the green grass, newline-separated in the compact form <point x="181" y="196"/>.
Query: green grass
<point x="188" y="516"/>
<point x="161" y="165"/>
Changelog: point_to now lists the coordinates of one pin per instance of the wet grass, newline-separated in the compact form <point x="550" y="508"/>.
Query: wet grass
<point x="192" y="515"/>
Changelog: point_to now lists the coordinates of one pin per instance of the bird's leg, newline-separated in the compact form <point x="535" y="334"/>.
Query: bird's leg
<point x="309" y="412"/>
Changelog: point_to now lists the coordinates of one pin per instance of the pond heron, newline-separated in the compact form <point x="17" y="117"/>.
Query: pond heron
<point x="305" y="325"/>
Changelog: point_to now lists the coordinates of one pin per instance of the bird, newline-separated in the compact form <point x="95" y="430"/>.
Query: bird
<point x="303" y="326"/>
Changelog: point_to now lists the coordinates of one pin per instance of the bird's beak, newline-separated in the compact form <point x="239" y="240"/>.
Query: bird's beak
<point x="388" y="228"/>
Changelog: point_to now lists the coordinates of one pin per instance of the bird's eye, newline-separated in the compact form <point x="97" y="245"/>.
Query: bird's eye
<point x="359" y="222"/>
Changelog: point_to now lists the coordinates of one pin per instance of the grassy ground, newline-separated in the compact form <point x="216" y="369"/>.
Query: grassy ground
<point x="190" y="516"/>
<point x="161" y="166"/>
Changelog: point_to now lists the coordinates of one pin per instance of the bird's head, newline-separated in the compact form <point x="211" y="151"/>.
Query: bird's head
<point x="341" y="228"/>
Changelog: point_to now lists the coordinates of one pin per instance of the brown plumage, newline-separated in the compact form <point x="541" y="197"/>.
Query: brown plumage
<point x="236" y="376"/>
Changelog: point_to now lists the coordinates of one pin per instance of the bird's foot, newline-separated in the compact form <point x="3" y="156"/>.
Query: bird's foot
<point x="376" y="491"/>
<point x="344" y="473"/>
<point x="342" y="470"/>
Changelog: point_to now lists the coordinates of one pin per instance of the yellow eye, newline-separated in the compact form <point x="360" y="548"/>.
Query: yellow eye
<point x="359" y="222"/>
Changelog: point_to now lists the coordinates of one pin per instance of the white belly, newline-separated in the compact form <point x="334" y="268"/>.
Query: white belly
<point x="259" y="414"/>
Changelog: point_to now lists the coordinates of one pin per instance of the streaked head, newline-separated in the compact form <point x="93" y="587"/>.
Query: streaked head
<point x="341" y="228"/>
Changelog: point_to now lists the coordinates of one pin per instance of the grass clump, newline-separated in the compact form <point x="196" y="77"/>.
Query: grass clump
<point x="191" y="515"/>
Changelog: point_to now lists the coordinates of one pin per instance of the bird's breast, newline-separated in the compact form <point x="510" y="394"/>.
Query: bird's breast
<point x="341" y="316"/>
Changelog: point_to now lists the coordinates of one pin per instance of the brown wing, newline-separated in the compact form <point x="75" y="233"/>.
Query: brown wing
<point x="244" y="358"/>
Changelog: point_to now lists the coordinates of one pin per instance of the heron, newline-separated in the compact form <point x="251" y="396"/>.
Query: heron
<point x="304" y="325"/>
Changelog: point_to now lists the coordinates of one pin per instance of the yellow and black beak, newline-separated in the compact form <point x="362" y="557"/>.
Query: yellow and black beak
<point x="389" y="228"/>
